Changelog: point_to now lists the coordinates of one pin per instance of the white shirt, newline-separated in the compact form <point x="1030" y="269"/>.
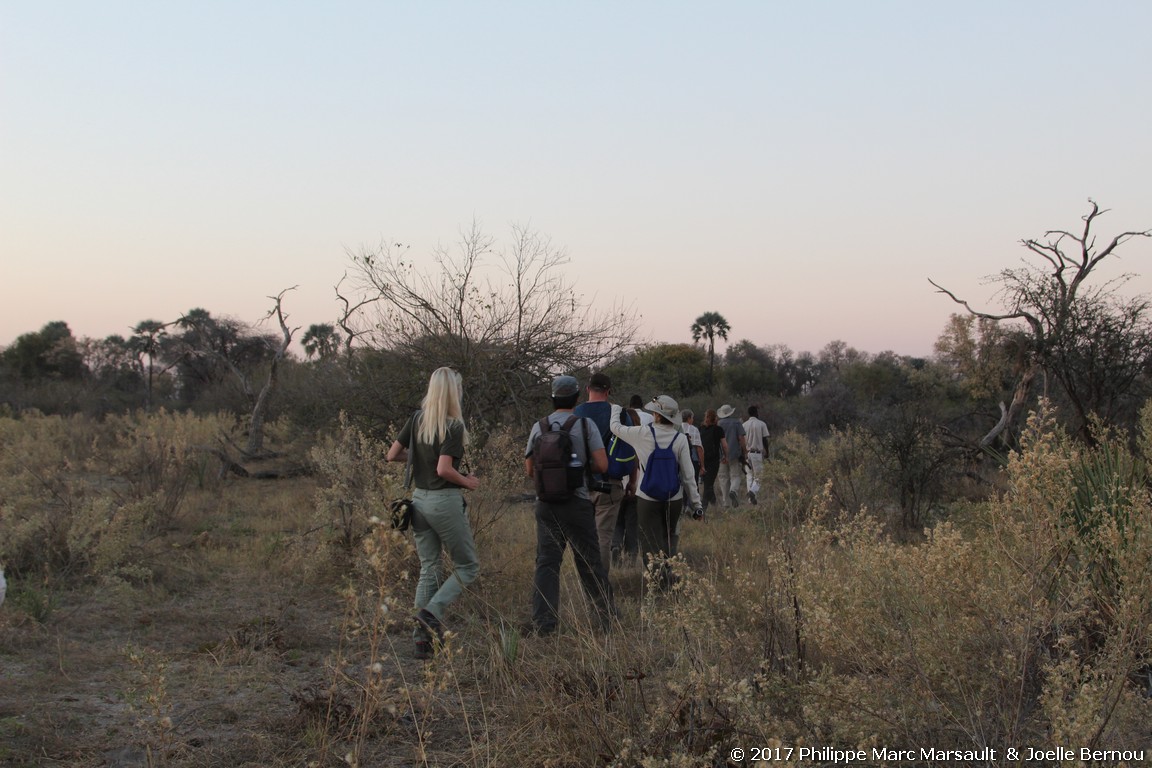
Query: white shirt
<point x="756" y="432"/>
<point x="693" y="435"/>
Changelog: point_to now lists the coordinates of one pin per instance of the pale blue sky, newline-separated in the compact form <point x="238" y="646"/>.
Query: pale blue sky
<point x="801" y="168"/>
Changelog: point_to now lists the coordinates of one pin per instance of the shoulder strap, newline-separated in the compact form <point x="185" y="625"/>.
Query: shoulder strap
<point x="656" y="442"/>
<point x="587" y="453"/>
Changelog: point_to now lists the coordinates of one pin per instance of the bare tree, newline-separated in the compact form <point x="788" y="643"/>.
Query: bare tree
<point x="506" y="318"/>
<point x="351" y="310"/>
<point x="234" y="357"/>
<point x="260" y="408"/>
<point x="1054" y="303"/>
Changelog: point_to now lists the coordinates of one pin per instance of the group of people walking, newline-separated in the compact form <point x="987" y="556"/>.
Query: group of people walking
<point x="734" y="453"/>
<point x="596" y="466"/>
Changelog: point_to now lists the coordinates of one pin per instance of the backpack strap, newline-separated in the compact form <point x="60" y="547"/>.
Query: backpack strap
<point x="656" y="442"/>
<point x="587" y="453"/>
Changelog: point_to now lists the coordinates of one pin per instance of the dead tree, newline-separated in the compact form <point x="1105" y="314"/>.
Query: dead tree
<point x="1046" y="299"/>
<point x="260" y="408"/>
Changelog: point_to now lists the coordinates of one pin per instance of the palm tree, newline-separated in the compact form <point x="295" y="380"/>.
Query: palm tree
<point x="145" y="342"/>
<point x="710" y="325"/>
<point x="321" y="340"/>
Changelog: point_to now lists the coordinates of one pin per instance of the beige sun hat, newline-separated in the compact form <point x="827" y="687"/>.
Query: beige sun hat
<point x="666" y="407"/>
<point x="725" y="411"/>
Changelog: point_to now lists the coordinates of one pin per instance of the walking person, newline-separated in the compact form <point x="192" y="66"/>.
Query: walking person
<point x="756" y="438"/>
<point x="435" y="436"/>
<point x="732" y="461"/>
<point x="608" y="492"/>
<point x="564" y="512"/>
<point x="659" y="503"/>
<point x="714" y="445"/>
<point x="625" y="542"/>
<point x="696" y="452"/>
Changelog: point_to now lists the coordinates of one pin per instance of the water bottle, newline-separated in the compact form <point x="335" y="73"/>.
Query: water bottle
<point x="575" y="471"/>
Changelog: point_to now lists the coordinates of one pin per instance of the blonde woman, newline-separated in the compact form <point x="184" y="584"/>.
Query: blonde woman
<point x="436" y="435"/>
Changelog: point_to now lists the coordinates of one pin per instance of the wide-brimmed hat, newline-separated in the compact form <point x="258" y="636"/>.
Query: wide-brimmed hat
<point x="565" y="386"/>
<point x="666" y="407"/>
<point x="725" y="411"/>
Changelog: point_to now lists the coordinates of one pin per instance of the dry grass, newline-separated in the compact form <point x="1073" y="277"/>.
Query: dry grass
<point x="266" y="623"/>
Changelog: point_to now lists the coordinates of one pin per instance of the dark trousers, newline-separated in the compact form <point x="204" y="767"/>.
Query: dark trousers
<point x="626" y="539"/>
<point x="559" y="524"/>
<point x="711" y="470"/>
<point x="657" y="521"/>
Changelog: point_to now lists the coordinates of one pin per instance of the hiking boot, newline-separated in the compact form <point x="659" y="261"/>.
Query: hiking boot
<point x="424" y="650"/>
<point x="430" y="624"/>
<point x="752" y="498"/>
<point x="732" y="497"/>
<point x="530" y="629"/>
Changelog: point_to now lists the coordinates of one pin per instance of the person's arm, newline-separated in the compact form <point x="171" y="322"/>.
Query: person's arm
<point x="723" y="450"/>
<point x="700" y="454"/>
<point x="628" y="434"/>
<point x="448" y="472"/>
<point x="599" y="461"/>
<point x="529" y="465"/>
<point x="398" y="451"/>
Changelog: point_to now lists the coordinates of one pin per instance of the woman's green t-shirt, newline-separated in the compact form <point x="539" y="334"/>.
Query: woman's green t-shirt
<point x="425" y="457"/>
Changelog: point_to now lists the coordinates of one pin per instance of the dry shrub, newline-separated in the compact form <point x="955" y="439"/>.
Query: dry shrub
<point x="1001" y="638"/>
<point x="499" y="465"/>
<point x="841" y="466"/>
<point x="363" y="694"/>
<point x="81" y="497"/>
<point x="356" y="485"/>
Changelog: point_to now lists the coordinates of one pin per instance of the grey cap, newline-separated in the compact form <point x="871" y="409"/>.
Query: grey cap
<point x="565" y="386"/>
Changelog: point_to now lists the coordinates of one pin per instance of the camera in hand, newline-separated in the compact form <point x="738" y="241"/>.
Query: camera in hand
<point x="601" y="486"/>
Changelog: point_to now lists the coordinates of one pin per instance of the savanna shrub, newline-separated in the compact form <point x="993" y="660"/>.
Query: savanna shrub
<point x="356" y="485"/>
<point x="842" y="467"/>
<point x="78" y="496"/>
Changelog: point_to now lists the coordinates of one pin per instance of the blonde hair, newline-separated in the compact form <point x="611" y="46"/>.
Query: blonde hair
<point x="441" y="406"/>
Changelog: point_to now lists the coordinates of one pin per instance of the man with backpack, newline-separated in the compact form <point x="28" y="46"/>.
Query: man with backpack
<point x="563" y="452"/>
<point x="610" y="488"/>
<point x="666" y="476"/>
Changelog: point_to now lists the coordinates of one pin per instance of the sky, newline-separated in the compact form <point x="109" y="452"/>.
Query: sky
<point x="801" y="168"/>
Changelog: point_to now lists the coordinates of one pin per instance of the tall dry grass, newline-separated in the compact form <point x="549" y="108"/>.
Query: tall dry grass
<point x="1026" y="619"/>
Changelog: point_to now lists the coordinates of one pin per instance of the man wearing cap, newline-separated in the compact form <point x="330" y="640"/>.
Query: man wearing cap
<point x="607" y="493"/>
<point x="732" y="463"/>
<point x="756" y="435"/>
<point x="657" y="520"/>
<point x="569" y="522"/>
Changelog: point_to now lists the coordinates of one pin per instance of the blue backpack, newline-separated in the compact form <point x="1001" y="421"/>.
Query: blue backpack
<point x="621" y="456"/>
<point x="662" y="475"/>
